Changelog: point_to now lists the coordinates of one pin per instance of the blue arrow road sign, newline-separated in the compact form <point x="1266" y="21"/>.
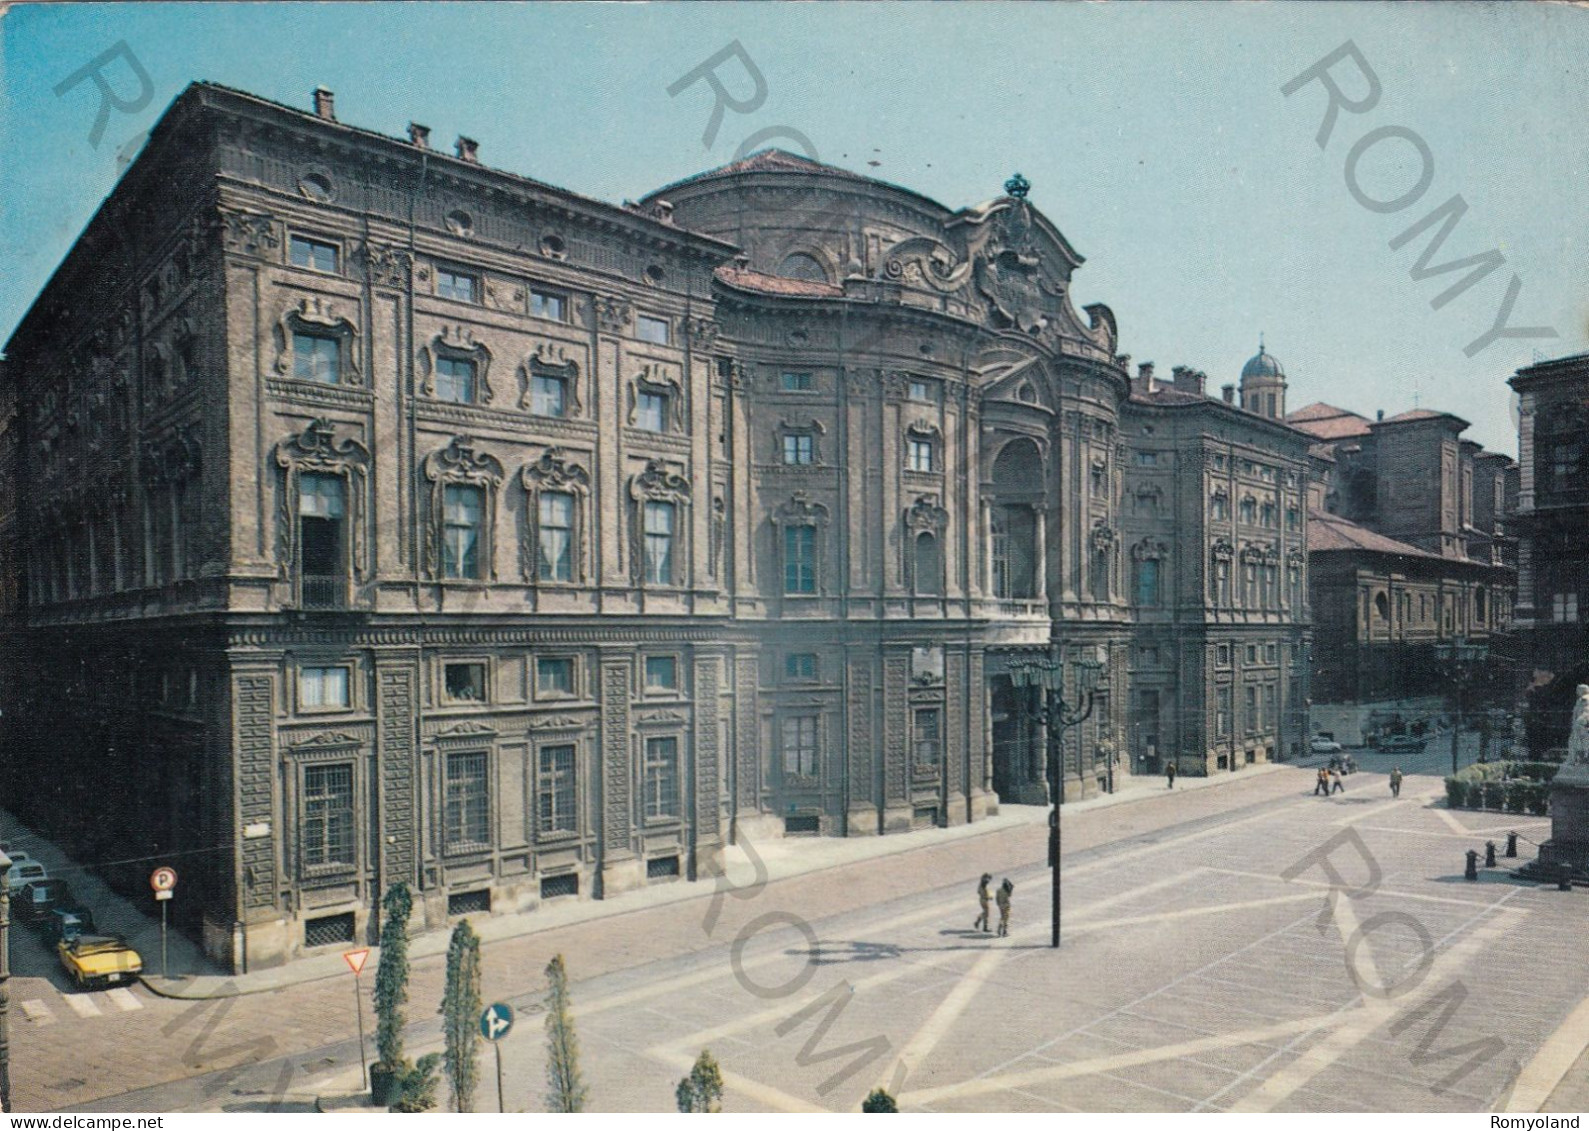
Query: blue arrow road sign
<point x="495" y="1021"/>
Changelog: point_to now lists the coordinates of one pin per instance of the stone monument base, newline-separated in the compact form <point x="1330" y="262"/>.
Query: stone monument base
<point x="1569" y="829"/>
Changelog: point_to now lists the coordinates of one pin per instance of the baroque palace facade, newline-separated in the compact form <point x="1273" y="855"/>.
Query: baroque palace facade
<point x="372" y="515"/>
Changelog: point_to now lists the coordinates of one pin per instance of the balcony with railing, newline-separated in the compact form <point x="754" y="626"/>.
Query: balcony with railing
<point x="322" y="591"/>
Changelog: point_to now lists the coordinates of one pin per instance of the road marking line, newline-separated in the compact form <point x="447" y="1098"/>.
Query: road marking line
<point x="1385" y="892"/>
<point x="1551" y="1063"/>
<point x="1357" y="1021"/>
<point x="1207" y="909"/>
<point x="37" y="1012"/>
<point x="1375" y="810"/>
<point x="744" y="1086"/>
<point x="1456" y="825"/>
<point x="985" y="1084"/>
<point x="82" y="1005"/>
<point x="942" y="1019"/>
<point x="125" y="999"/>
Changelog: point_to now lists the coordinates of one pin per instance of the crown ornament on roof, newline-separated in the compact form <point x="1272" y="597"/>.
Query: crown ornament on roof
<point x="1017" y="186"/>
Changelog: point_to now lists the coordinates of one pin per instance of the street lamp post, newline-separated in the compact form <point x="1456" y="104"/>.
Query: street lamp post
<point x="1461" y="660"/>
<point x="1047" y="673"/>
<point x="5" y="979"/>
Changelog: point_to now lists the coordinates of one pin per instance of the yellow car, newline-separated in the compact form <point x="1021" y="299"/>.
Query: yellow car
<point x="99" y="960"/>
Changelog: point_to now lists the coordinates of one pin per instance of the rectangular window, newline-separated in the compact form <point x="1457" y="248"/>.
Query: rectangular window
<point x="926" y="737"/>
<point x="466" y="682"/>
<point x="317" y="357"/>
<point x="1148" y="582"/>
<point x="662" y="777"/>
<point x="658" y="519"/>
<point x="555" y="536"/>
<point x="554" y="676"/>
<point x="545" y="304"/>
<point x="463" y="513"/>
<point x="799" y="745"/>
<point x="1252" y="709"/>
<point x="799" y="559"/>
<point x="1270" y="652"/>
<point x="320" y="496"/>
<point x="925" y="391"/>
<point x="800" y="665"/>
<point x="1268" y="706"/>
<point x="314" y="254"/>
<point x="918" y="455"/>
<point x="455" y="380"/>
<point x="557" y="790"/>
<point x="456" y="285"/>
<point x="1564" y="608"/>
<point x="1222" y="714"/>
<point x="797" y="383"/>
<point x="653" y="330"/>
<point x="1223" y="655"/>
<point x="323" y="687"/>
<point x="468" y="804"/>
<point x="548" y="395"/>
<point x="1146" y="459"/>
<point x="651" y="412"/>
<point x="327" y="815"/>
<point x="798" y="447"/>
<point x="662" y="673"/>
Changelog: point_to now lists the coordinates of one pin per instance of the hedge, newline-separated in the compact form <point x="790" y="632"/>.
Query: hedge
<point x="1519" y="795"/>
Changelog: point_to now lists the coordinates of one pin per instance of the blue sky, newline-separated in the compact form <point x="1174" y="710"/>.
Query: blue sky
<point x="1155" y="136"/>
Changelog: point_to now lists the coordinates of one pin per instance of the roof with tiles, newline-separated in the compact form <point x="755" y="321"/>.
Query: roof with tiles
<point x="1328" y="422"/>
<point x="1332" y="532"/>
<point x="748" y="280"/>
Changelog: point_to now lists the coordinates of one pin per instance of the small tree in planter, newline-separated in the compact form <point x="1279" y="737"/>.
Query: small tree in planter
<point x="418" y="1090"/>
<point x="702" y="1089"/>
<point x="460" y="1015"/>
<point x="391" y="995"/>
<point x="566" y="1089"/>
<point x="879" y="1101"/>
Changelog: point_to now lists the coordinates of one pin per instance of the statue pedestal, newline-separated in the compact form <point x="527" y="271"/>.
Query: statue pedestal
<point x="1569" y="827"/>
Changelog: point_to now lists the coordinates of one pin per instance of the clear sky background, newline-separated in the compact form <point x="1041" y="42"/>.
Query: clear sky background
<point x="1155" y="136"/>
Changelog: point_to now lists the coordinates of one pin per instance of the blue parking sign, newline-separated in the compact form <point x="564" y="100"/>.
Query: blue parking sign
<point x="495" y="1021"/>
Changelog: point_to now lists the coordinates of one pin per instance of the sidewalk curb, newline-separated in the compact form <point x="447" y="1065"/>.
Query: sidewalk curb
<point x="433" y="943"/>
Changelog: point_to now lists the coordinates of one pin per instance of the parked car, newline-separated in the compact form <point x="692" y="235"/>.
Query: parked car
<point x="23" y="874"/>
<point x="68" y="924"/>
<point x="36" y="900"/>
<point x="1323" y="744"/>
<point x="99" y="960"/>
<point x="1400" y="744"/>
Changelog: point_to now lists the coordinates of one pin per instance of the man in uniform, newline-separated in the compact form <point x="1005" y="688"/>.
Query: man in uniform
<point x="1395" y="782"/>
<point x="1003" y="900"/>
<point x="984" y="897"/>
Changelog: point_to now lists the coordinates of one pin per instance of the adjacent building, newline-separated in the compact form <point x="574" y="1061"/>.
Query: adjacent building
<point x="1411" y="549"/>
<point x="371" y="515"/>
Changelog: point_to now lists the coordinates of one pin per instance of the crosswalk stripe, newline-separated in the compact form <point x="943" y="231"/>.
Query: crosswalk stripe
<point x="82" y="1005"/>
<point x="124" y="998"/>
<point x="37" y="1012"/>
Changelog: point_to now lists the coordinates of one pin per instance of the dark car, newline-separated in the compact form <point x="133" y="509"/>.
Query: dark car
<point x="36" y="900"/>
<point x="68" y="923"/>
<point x="1400" y="744"/>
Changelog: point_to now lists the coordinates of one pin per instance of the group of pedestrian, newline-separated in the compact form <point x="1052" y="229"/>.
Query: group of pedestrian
<point x="1001" y="897"/>
<point x="1329" y="782"/>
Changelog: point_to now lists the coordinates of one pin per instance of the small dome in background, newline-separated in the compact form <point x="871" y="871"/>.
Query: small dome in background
<point x="1263" y="364"/>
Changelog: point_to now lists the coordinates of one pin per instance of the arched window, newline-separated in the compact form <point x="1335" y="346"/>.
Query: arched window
<point x="1017" y="491"/>
<point x="799" y="265"/>
<point x="1382" y="606"/>
<point x="929" y="567"/>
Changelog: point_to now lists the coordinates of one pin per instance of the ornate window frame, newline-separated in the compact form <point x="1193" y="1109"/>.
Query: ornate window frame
<point x="318" y="451"/>
<point x="456" y="342"/>
<point x="925" y="516"/>
<point x="812" y="428"/>
<point x="924" y="430"/>
<point x="550" y="360"/>
<point x="800" y="510"/>
<point x="461" y="464"/>
<point x="1104" y="543"/>
<point x="656" y="483"/>
<point x="554" y="471"/>
<point x="314" y="315"/>
<point x="327" y="748"/>
<point x="655" y="378"/>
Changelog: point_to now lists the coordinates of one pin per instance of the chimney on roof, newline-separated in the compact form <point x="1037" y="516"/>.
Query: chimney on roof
<point x="418" y="135"/>
<point x="325" y="105"/>
<point x="1229" y="393"/>
<point x="662" y="210"/>
<point x="1143" y="382"/>
<point x="1379" y="415"/>
<point x="468" y="150"/>
<point x="1188" y="380"/>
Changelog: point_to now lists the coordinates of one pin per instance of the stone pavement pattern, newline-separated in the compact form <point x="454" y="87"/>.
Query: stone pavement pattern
<point x="1195" y="976"/>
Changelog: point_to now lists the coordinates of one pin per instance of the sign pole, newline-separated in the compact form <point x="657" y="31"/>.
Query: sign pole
<point x="496" y="1046"/>
<point x="495" y="1022"/>
<point x="358" y="1011"/>
<point x="163" y="973"/>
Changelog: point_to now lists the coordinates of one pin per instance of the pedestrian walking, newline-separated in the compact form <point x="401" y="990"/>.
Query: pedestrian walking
<point x="1003" y="900"/>
<point x="1395" y="782"/>
<point x="1335" y="783"/>
<point x="1169" y="775"/>
<point x="985" y="898"/>
<point x="1322" y="783"/>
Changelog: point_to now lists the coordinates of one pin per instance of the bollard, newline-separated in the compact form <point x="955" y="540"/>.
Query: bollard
<point x="1564" y="877"/>
<point x="1489" y="854"/>
<point x="1472" y="872"/>
<point x="1511" y="844"/>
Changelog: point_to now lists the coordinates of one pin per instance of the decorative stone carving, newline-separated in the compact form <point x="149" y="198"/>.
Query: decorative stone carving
<point x="1103" y="537"/>
<point x="613" y="315"/>
<point x="551" y="359"/>
<point x="252" y="233"/>
<point x="386" y="266"/>
<point x="702" y="333"/>
<point x="1149" y="550"/>
<point x="922" y="261"/>
<point x="926" y="515"/>
<point x="801" y="511"/>
<point x="318" y="451"/>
